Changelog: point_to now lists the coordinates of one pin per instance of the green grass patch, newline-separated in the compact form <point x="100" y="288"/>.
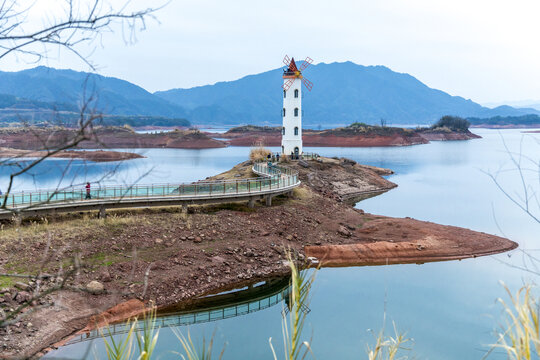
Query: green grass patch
<point x="103" y="259"/>
<point x="7" y="281"/>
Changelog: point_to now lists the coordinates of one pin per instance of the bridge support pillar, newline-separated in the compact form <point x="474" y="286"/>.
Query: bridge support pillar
<point x="269" y="200"/>
<point x="251" y="203"/>
<point x="102" y="213"/>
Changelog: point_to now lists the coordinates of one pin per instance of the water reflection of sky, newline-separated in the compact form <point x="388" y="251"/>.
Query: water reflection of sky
<point x="448" y="308"/>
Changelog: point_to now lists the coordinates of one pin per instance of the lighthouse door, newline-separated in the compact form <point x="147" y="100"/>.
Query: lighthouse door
<point x="296" y="151"/>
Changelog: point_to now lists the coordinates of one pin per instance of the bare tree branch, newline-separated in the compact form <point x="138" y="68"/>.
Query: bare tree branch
<point x="82" y="22"/>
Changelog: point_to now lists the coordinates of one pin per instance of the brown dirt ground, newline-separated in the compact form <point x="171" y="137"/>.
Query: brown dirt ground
<point x="212" y="248"/>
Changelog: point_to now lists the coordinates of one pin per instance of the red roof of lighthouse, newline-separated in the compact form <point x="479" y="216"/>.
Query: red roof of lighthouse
<point x="292" y="66"/>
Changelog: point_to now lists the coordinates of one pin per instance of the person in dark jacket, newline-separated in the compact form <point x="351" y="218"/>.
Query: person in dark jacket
<point x="88" y="195"/>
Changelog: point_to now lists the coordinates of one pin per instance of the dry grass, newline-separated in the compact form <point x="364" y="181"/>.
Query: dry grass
<point x="520" y="335"/>
<point x="259" y="153"/>
<point x="302" y="193"/>
<point x="73" y="226"/>
<point x="389" y="347"/>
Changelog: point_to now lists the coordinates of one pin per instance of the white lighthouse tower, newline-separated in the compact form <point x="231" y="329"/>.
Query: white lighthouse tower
<point x="291" y="132"/>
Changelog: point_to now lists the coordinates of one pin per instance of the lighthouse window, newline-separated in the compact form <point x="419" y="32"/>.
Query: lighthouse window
<point x="283" y="130"/>
<point x="284" y="93"/>
<point x="295" y="111"/>
<point x="295" y="93"/>
<point x="283" y="112"/>
<point x="296" y="130"/>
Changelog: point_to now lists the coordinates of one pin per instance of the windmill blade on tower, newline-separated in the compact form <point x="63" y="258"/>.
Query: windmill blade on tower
<point x="308" y="84"/>
<point x="288" y="84"/>
<point x="306" y="63"/>
<point x="287" y="60"/>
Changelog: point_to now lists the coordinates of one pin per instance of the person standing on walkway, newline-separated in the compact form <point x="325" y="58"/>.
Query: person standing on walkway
<point x="88" y="196"/>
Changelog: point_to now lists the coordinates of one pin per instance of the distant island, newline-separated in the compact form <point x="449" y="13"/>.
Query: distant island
<point x="356" y="134"/>
<point x="96" y="156"/>
<point x="25" y="138"/>
<point x="507" y="122"/>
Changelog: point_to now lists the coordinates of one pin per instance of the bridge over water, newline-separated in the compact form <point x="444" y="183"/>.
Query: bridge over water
<point x="210" y="308"/>
<point x="274" y="180"/>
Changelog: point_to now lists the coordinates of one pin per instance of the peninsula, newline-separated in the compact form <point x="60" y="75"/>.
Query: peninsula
<point x="168" y="256"/>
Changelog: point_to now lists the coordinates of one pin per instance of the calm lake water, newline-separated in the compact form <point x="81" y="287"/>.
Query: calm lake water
<point x="449" y="308"/>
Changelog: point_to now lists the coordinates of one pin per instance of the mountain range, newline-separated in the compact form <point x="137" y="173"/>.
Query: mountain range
<point x="343" y="93"/>
<point x="111" y="95"/>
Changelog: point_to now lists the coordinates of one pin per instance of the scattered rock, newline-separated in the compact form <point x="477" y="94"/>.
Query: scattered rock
<point x="343" y="231"/>
<point x="23" y="296"/>
<point x="105" y="276"/>
<point x="218" y="260"/>
<point x="95" y="287"/>
<point x="197" y="240"/>
<point x="21" y="286"/>
<point x="158" y="241"/>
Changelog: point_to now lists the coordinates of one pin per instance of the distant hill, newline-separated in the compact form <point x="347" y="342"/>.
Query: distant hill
<point x="17" y="103"/>
<point x="14" y="110"/>
<point x="343" y="93"/>
<point x="114" y="96"/>
<point x="507" y="121"/>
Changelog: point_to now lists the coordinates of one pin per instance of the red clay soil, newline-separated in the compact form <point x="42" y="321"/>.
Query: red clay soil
<point x="97" y="156"/>
<point x="332" y="138"/>
<point x="108" y="137"/>
<point x="417" y="242"/>
<point x="214" y="248"/>
<point x="318" y="140"/>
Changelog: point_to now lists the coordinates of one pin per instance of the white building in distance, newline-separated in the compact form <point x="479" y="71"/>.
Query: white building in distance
<point x="291" y="132"/>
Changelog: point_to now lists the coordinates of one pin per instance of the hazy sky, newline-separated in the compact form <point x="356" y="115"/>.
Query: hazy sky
<point x="486" y="50"/>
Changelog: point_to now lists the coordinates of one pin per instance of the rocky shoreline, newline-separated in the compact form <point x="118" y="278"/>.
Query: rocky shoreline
<point x="214" y="247"/>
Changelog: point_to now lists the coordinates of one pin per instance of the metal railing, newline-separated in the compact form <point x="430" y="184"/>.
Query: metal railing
<point x="227" y="308"/>
<point x="272" y="178"/>
<point x="310" y="156"/>
<point x="189" y="318"/>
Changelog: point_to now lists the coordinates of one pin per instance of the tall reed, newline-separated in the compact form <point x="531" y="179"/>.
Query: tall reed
<point x="520" y="334"/>
<point x="146" y="339"/>
<point x="292" y="328"/>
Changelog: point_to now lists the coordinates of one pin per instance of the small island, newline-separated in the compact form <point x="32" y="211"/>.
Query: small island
<point x="37" y="138"/>
<point x="356" y="134"/>
<point x="96" y="156"/>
